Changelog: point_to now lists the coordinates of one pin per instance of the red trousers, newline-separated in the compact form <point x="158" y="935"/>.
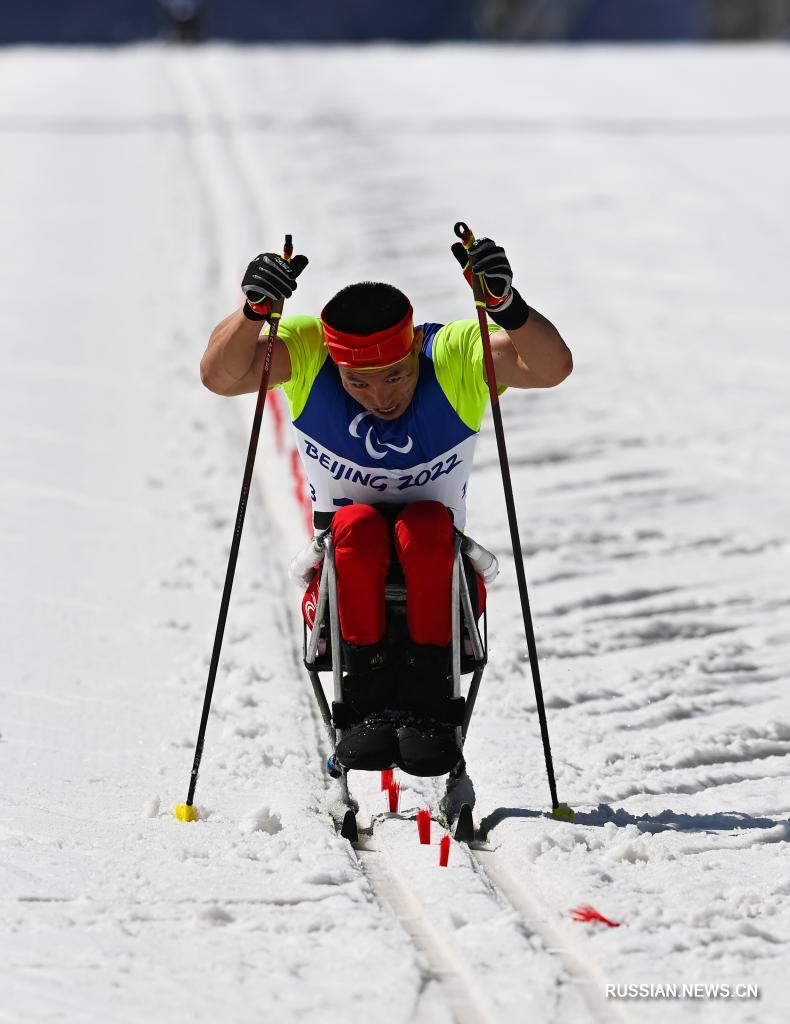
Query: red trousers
<point x="363" y="539"/>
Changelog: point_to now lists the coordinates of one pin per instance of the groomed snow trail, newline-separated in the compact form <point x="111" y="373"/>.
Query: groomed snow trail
<point x="123" y="486"/>
<point x="456" y="982"/>
<point x="641" y="195"/>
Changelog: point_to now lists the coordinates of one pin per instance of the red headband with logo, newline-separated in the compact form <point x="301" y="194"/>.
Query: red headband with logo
<point x="371" y="351"/>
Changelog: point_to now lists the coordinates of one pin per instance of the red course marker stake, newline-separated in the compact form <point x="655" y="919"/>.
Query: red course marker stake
<point x="387" y="778"/>
<point x="424" y="826"/>
<point x="393" y="796"/>
<point x="444" y="851"/>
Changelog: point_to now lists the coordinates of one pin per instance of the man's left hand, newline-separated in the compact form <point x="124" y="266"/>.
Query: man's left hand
<point x="487" y="259"/>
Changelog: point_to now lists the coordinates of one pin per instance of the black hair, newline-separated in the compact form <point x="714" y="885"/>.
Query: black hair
<point x="366" y="308"/>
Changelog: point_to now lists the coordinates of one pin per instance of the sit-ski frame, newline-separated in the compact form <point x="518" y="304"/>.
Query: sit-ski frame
<point x="462" y="618"/>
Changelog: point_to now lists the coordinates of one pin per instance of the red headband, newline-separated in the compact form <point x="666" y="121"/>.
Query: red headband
<point x="371" y="351"/>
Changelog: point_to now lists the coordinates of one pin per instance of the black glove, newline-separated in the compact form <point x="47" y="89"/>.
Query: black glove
<point x="269" y="277"/>
<point x="503" y="303"/>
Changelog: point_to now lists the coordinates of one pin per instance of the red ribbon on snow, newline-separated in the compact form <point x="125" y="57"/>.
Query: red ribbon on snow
<point x="588" y="913"/>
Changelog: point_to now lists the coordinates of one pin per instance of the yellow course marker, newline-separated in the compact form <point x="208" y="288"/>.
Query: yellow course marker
<point x="562" y="813"/>
<point x="185" y="812"/>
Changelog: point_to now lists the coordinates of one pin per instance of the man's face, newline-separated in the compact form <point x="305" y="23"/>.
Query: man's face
<point x="386" y="393"/>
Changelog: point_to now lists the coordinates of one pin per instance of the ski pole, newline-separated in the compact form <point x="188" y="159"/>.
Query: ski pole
<point x="187" y="812"/>
<point x="560" y="811"/>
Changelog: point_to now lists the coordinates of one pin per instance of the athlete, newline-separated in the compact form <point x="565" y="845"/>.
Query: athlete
<point x="386" y="414"/>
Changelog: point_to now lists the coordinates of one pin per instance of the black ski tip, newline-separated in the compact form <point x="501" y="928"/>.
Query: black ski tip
<point x="464" y="825"/>
<point x="348" y="830"/>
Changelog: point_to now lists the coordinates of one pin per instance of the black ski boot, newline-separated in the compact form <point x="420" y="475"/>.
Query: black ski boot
<point x="427" y="735"/>
<point x="368" y="742"/>
<point x="427" y="747"/>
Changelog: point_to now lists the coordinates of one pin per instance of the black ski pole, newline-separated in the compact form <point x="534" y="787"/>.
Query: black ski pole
<point x="187" y="812"/>
<point x="560" y="811"/>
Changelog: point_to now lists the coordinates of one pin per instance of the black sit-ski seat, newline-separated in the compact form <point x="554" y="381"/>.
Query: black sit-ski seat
<point x="323" y="650"/>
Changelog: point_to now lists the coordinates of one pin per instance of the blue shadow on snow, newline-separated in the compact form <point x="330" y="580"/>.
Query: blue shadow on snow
<point x="669" y="820"/>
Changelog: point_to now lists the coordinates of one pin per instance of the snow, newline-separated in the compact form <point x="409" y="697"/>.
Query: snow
<point x="642" y="196"/>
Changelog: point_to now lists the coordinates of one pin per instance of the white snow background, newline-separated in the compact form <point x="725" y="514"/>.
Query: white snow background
<point x="642" y="195"/>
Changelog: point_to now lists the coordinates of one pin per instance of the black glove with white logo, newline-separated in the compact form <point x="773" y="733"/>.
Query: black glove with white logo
<point x="269" y="277"/>
<point x="504" y="305"/>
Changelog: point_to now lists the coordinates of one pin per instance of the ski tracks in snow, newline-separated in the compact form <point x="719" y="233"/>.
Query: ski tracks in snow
<point x="486" y="947"/>
<point x="654" y="512"/>
<point x="480" y="893"/>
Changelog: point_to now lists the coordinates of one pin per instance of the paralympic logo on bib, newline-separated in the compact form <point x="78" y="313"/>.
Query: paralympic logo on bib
<point x="375" y="448"/>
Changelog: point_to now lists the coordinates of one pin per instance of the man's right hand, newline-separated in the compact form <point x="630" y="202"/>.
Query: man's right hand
<point x="269" y="277"/>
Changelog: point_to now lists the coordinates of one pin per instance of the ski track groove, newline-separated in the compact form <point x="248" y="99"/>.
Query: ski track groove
<point x="386" y="888"/>
<point x="392" y="890"/>
<point x="537" y="918"/>
<point x="461" y="996"/>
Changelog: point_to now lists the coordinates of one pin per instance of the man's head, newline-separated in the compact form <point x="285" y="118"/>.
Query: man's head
<point x="369" y="332"/>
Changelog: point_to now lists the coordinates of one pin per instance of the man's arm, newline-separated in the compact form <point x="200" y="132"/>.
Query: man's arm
<point x="531" y="356"/>
<point x="233" y="361"/>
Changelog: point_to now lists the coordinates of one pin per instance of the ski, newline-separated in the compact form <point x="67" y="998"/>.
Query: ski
<point x="342" y="809"/>
<point x="459" y="824"/>
<point x="343" y="819"/>
<point x="455" y="807"/>
<point x="464" y="825"/>
<point x="348" y="828"/>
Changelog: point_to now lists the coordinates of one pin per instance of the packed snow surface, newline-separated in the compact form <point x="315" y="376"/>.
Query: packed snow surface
<point x="642" y="197"/>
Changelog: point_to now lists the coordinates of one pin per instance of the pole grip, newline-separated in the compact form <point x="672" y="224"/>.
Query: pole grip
<point x="258" y="298"/>
<point x="464" y="232"/>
